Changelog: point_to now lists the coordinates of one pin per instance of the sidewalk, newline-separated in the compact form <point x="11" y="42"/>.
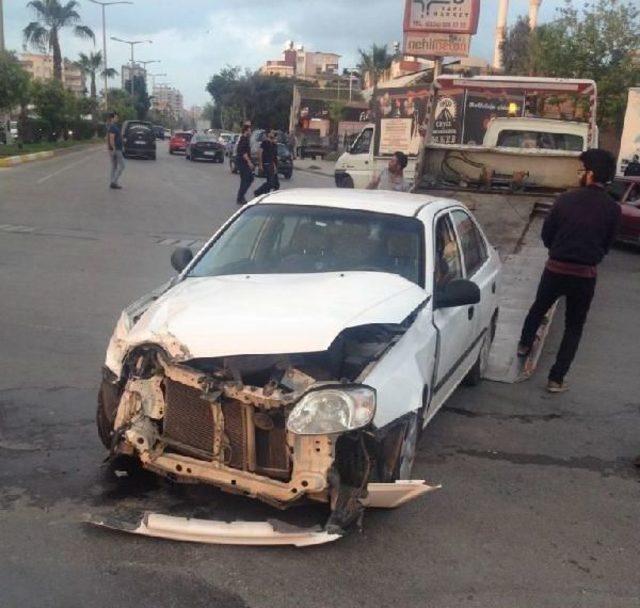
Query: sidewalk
<point x="12" y="161"/>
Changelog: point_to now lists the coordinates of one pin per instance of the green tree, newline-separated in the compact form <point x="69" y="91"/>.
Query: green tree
<point x="56" y="106"/>
<point x="516" y="49"/>
<point x="374" y="62"/>
<point x="14" y="80"/>
<point x="597" y="42"/>
<point x="237" y="96"/>
<point x="44" y="33"/>
<point x="121" y="102"/>
<point x="141" y="98"/>
<point x="91" y="65"/>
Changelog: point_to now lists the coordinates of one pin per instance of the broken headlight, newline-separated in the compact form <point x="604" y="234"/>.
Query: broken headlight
<point x="333" y="410"/>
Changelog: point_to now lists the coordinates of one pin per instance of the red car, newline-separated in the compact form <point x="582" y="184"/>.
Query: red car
<point x="626" y="190"/>
<point x="179" y="141"/>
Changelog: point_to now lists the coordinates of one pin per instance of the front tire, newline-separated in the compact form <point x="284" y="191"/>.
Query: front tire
<point x="476" y="373"/>
<point x="105" y="427"/>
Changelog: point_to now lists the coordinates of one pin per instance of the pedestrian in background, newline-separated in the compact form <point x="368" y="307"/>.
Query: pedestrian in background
<point x="114" y="145"/>
<point x="392" y="178"/>
<point x="268" y="162"/>
<point x="244" y="163"/>
<point x="578" y="233"/>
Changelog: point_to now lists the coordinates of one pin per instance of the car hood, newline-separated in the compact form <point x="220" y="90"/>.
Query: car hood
<point x="271" y="314"/>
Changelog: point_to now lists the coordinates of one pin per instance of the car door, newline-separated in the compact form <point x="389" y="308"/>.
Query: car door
<point x="358" y="164"/>
<point x="455" y="326"/>
<point x="480" y="268"/>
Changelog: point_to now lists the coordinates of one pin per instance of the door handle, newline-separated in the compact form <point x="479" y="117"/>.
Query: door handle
<point x="470" y="312"/>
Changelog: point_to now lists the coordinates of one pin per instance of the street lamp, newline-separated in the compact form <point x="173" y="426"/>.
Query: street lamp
<point x="153" y="80"/>
<point x="131" y="43"/>
<point x="144" y="66"/>
<point x="104" y="45"/>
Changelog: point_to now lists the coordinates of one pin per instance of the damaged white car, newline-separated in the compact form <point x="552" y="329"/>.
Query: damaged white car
<point x="300" y="353"/>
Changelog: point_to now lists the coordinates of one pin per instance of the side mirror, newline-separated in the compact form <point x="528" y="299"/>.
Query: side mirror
<point x="181" y="257"/>
<point x="460" y="292"/>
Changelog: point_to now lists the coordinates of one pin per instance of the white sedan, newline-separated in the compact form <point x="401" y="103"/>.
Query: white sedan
<point x="300" y="353"/>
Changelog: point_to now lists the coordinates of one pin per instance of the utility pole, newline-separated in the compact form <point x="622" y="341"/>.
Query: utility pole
<point x="1" y="28"/>
<point x="131" y="43"/>
<point x="104" y="5"/>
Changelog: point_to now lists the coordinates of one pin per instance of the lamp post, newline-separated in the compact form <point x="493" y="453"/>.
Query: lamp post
<point x="144" y="66"/>
<point x="131" y="43"/>
<point x="104" y="45"/>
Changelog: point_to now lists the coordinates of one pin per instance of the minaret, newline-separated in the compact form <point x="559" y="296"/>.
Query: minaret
<point x="534" y="5"/>
<point x="501" y="33"/>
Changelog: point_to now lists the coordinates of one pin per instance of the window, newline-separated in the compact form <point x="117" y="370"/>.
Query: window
<point x="471" y="241"/>
<point x="363" y="143"/>
<point x="540" y="139"/>
<point x="447" y="260"/>
<point x="290" y="239"/>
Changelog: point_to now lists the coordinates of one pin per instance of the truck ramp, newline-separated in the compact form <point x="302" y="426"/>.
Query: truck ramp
<point x="521" y="274"/>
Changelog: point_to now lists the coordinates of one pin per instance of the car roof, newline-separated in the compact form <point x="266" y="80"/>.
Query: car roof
<point x="377" y="201"/>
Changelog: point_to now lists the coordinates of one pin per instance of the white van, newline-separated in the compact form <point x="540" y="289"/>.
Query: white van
<point x="356" y="167"/>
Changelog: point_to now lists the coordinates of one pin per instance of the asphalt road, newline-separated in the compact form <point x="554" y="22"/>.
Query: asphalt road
<point x="540" y="500"/>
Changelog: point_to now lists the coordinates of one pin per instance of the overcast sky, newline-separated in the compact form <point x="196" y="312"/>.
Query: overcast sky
<point x="195" y="38"/>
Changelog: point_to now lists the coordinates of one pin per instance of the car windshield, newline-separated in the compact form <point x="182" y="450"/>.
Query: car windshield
<point x="205" y="138"/>
<point x="290" y="239"/>
<point x="540" y="139"/>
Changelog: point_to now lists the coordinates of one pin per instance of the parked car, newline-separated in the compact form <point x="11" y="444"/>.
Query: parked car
<point x="302" y="350"/>
<point x="138" y="139"/>
<point x="205" y="147"/>
<point x="285" y="160"/>
<point x="626" y="190"/>
<point x="158" y="131"/>
<point x="179" y="141"/>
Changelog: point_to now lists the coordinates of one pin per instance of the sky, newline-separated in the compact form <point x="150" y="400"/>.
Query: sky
<point x="194" y="39"/>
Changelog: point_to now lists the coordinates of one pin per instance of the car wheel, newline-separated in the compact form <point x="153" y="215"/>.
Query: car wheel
<point x="398" y="451"/>
<point x="476" y="373"/>
<point x="344" y="181"/>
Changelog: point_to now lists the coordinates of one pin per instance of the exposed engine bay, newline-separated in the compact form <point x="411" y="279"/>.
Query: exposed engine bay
<point x="227" y="421"/>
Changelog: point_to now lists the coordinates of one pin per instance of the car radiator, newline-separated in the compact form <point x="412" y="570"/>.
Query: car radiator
<point x="252" y="440"/>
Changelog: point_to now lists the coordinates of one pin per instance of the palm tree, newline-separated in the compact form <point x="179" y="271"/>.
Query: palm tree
<point x="90" y="64"/>
<point x="44" y="33"/>
<point x="374" y="63"/>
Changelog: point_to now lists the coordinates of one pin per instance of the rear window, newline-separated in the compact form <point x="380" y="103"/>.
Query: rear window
<point x="541" y="140"/>
<point x="139" y="126"/>
<point x="186" y="136"/>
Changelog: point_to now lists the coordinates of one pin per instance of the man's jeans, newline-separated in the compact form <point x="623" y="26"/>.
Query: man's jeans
<point x="117" y="165"/>
<point x="579" y="293"/>
<point x="272" y="183"/>
<point x="246" y="177"/>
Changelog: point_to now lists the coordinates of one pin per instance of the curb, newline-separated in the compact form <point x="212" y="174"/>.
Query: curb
<point x="12" y="161"/>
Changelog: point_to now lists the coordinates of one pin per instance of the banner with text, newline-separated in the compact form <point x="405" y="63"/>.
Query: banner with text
<point x="450" y="16"/>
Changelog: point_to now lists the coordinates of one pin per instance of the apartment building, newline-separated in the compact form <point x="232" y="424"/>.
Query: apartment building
<point x="41" y="68"/>
<point x="305" y="65"/>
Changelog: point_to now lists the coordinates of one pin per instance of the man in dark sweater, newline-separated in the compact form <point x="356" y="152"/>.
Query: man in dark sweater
<point x="578" y="234"/>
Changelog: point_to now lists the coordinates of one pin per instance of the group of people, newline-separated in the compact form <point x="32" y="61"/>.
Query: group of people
<point x="267" y="163"/>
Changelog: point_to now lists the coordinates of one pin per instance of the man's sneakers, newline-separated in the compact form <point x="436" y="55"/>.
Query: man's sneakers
<point x="115" y="187"/>
<point x="556" y="387"/>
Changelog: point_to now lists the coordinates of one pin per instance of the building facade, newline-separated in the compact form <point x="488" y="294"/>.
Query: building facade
<point x="41" y="68"/>
<point x="126" y="71"/>
<point x="296" y="62"/>
<point x="167" y="99"/>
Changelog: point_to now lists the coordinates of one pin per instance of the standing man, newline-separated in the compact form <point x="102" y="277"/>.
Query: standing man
<point x="578" y="233"/>
<point x="114" y="144"/>
<point x="244" y="164"/>
<point x="268" y="160"/>
<point x="392" y="178"/>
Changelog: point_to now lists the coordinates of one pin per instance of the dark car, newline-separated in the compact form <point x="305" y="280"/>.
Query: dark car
<point x="626" y="190"/>
<point x="285" y="160"/>
<point x="205" y="147"/>
<point x="158" y="131"/>
<point x="138" y="139"/>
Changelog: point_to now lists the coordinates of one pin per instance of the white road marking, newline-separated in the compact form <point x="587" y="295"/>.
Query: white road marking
<point x="66" y="168"/>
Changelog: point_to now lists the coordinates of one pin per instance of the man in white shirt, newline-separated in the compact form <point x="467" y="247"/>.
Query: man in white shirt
<point x="392" y="178"/>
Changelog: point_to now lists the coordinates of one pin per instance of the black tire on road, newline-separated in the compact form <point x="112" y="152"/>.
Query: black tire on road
<point x="344" y="181"/>
<point x="287" y="174"/>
